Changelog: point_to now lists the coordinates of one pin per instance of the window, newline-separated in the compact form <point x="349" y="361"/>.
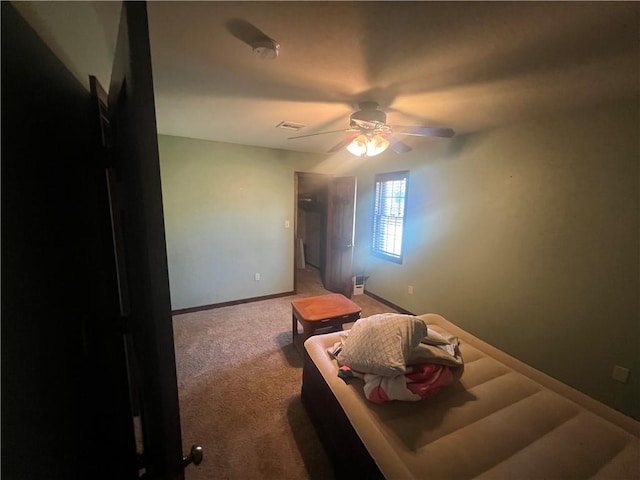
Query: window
<point x="388" y="215"/>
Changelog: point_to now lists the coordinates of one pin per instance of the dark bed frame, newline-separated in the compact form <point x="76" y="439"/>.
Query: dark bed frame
<point x="349" y="457"/>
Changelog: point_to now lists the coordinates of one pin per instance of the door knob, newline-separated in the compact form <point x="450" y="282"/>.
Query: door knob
<point x="195" y="456"/>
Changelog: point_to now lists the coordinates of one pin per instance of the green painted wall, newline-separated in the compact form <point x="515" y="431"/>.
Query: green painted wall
<point x="527" y="236"/>
<point x="225" y="209"/>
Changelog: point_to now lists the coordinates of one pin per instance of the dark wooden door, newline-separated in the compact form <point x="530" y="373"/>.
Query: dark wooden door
<point x="71" y="340"/>
<point x="147" y="306"/>
<point x="66" y="409"/>
<point x="340" y="235"/>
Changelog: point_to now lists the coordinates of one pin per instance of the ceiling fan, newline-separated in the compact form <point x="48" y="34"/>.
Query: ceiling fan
<point x="369" y="133"/>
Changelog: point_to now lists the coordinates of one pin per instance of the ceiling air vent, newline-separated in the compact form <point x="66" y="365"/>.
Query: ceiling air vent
<point x="290" y="125"/>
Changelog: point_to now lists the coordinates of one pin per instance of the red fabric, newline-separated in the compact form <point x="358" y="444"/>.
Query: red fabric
<point x="423" y="381"/>
<point x="427" y="379"/>
<point x="378" y="395"/>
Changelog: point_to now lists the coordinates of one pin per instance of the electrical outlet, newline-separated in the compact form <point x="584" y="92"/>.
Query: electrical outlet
<point x="410" y="289"/>
<point x="287" y="224"/>
<point x="256" y="277"/>
<point x="620" y="374"/>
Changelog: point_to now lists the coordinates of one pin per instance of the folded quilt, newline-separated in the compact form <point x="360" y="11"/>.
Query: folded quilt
<point x="418" y="383"/>
<point x="433" y="348"/>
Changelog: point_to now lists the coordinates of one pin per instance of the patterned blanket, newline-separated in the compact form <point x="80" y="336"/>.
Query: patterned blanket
<point x="419" y="382"/>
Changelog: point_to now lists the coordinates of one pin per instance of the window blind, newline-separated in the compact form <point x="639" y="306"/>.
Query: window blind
<point x="389" y="214"/>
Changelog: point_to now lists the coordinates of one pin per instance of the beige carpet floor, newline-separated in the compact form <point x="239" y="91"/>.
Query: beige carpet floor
<point x="239" y="380"/>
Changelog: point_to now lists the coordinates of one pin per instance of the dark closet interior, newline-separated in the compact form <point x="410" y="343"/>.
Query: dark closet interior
<point x="311" y="231"/>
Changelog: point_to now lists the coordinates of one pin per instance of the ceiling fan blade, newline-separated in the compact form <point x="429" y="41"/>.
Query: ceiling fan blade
<point x="423" y="131"/>
<point x="342" y="144"/>
<point x="321" y="133"/>
<point x="400" y="147"/>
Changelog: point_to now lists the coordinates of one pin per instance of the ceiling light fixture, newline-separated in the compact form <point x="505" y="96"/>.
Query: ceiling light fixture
<point x="368" y="145"/>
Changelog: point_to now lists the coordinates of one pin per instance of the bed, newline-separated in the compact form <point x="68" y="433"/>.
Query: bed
<point x="499" y="419"/>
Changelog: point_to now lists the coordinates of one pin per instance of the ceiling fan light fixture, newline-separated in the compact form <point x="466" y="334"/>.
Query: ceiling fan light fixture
<point x="368" y="145"/>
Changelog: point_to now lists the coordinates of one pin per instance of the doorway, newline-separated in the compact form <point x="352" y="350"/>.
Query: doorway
<point x="324" y="229"/>
<point x="312" y="191"/>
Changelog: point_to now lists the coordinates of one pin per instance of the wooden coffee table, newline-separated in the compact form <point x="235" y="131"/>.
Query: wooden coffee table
<point x="323" y="311"/>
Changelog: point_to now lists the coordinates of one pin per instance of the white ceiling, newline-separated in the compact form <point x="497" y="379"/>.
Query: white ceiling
<point x="468" y="66"/>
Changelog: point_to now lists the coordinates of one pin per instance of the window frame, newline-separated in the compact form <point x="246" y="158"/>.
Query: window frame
<point x="377" y="237"/>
